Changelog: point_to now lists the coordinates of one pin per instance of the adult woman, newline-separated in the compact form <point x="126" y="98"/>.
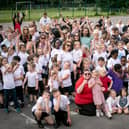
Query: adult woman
<point x="84" y="98"/>
<point x="85" y="37"/>
<point x="66" y="56"/>
<point x="44" y="43"/>
<point x="25" y="37"/>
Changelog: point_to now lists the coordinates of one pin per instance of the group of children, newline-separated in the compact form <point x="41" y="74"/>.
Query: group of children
<point x="105" y="98"/>
<point x="32" y="61"/>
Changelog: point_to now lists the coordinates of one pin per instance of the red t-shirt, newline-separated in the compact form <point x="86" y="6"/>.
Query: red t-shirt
<point x="85" y="97"/>
<point x="18" y="26"/>
<point x="106" y="81"/>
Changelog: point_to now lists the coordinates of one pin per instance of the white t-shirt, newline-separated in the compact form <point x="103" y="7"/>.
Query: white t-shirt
<point x="53" y="84"/>
<point x="1" y="86"/>
<point x="96" y="56"/>
<point x="32" y="77"/>
<point x="111" y="62"/>
<point x="111" y="103"/>
<point x="65" y="56"/>
<point x="42" y="103"/>
<point x="18" y="72"/>
<point x="121" y="53"/>
<point x="4" y="54"/>
<point x="43" y="61"/>
<point x="55" y="52"/>
<point x="44" y="21"/>
<point x="67" y="82"/>
<point x="23" y="57"/>
<point x="64" y="101"/>
<point x="35" y="36"/>
<point x="10" y="58"/>
<point x="38" y="70"/>
<point x="77" y="54"/>
<point x="8" y="79"/>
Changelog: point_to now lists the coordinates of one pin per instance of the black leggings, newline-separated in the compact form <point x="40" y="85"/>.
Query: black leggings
<point x="87" y="109"/>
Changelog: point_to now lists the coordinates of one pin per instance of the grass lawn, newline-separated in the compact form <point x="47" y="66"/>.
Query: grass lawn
<point x="35" y="14"/>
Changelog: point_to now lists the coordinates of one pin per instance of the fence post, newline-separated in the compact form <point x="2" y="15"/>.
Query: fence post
<point x="59" y="9"/>
<point x="96" y="10"/>
<point x="85" y="6"/>
<point x="73" y="8"/>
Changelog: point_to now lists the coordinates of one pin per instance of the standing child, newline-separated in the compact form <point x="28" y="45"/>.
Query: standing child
<point x="65" y="79"/>
<point x="32" y="78"/>
<point x="18" y="78"/>
<point x="98" y="97"/>
<point x="112" y="102"/>
<point x="1" y="91"/>
<point x="53" y="82"/>
<point x="77" y="57"/>
<point x="106" y="81"/>
<point x="9" y="84"/>
<point x="123" y="102"/>
<point x="39" y="72"/>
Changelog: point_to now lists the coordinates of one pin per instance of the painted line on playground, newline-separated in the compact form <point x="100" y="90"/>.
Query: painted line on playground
<point x="32" y="120"/>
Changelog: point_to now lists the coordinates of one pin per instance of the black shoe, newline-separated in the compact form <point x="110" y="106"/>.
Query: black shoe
<point x="1" y="106"/>
<point x="56" y="125"/>
<point x="41" y="125"/>
<point x="22" y="105"/>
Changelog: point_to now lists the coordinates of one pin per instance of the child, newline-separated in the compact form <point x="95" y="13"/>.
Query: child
<point x="98" y="97"/>
<point x="65" y="79"/>
<point x="106" y="82"/>
<point x="112" y="102"/>
<point x="32" y="78"/>
<point x="39" y="72"/>
<point x="101" y="64"/>
<point x="53" y="82"/>
<point x="1" y="91"/>
<point x="77" y="57"/>
<point x="9" y="84"/>
<point x="18" y="78"/>
<point x="123" y="102"/>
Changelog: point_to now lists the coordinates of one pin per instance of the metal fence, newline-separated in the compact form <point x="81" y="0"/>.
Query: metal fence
<point x="70" y="9"/>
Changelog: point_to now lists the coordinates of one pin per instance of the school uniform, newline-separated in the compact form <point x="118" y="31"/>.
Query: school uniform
<point x="32" y="76"/>
<point x="18" y="83"/>
<point x="61" y="115"/>
<point x="9" y="87"/>
<point x="38" y="70"/>
<point x="43" y="62"/>
<point x="67" y="83"/>
<point x="77" y="54"/>
<point x="41" y="102"/>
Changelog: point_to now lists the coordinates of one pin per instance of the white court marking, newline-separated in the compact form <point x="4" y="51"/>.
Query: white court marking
<point x="29" y="120"/>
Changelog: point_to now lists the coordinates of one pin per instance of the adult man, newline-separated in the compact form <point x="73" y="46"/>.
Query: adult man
<point x="44" y="20"/>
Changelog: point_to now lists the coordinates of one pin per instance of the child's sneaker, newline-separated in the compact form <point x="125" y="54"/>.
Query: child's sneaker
<point x="101" y="113"/>
<point x="97" y="113"/>
<point x="6" y="110"/>
<point x="18" y="110"/>
<point x="109" y="115"/>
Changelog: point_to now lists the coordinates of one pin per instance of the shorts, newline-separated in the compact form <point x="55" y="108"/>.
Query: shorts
<point x="44" y="114"/>
<point x="67" y="89"/>
<point x="1" y="91"/>
<point x="74" y="62"/>
<point x="32" y="91"/>
<point x="45" y="76"/>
